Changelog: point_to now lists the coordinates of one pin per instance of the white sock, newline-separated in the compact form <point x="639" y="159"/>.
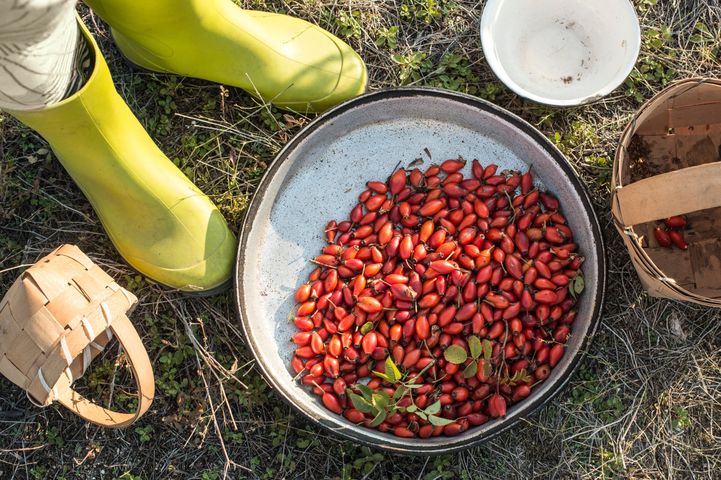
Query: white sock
<point x="38" y="45"/>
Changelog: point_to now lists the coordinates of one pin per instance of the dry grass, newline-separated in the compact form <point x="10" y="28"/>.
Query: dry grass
<point x="645" y="404"/>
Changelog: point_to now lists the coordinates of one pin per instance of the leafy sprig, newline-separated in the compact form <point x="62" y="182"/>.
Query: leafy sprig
<point x="381" y="405"/>
<point x="521" y="376"/>
<point x="371" y="402"/>
<point x="430" y="413"/>
<point x="479" y="350"/>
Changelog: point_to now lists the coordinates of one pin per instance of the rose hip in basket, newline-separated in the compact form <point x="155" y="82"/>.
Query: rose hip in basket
<point x="440" y="302"/>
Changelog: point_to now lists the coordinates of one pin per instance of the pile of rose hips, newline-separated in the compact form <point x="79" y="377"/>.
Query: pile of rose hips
<point x="441" y="301"/>
<point x="672" y="234"/>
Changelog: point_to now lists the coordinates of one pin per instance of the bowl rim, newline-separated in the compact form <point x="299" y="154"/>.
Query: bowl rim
<point x="488" y="44"/>
<point x="477" y="103"/>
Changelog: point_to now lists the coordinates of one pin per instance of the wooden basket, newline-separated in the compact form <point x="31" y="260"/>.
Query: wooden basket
<point x="668" y="164"/>
<point x="55" y="319"/>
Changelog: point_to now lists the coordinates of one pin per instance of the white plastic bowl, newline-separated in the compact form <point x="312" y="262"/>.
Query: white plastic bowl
<point x="561" y="52"/>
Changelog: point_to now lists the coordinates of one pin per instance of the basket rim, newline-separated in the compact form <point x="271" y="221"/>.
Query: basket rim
<point x="628" y="233"/>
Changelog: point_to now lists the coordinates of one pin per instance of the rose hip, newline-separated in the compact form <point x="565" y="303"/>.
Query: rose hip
<point x="662" y="237"/>
<point x="678" y="240"/>
<point x="332" y="403"/>
<point x="428" y="262"/>
<point x="677" y="221"/>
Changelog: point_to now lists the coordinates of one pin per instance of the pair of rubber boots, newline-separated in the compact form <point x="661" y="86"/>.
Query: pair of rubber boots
<point x="161" y="223"/>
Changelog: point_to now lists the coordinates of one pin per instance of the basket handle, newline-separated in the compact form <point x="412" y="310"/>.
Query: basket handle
<point x="142" y="371"/>
<point x="668" y="194"/>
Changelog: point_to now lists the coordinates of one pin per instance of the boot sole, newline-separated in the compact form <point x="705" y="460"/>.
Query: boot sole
<point x="222" y="288"/>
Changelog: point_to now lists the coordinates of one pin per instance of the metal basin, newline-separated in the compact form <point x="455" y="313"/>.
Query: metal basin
<point x="318" y="176"/>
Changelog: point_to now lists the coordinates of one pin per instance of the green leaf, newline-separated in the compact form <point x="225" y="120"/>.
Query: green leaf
<point x="439" y="421"/>
<point x="380" y="400"/>
<point x="360" y="403"/>
<point x="411" y="408"/>
<point x="701" y="27"/>
<point x="487" y="350"/>
<point x="518" y="377"/>
<point x="422" y="415"/>
<point x="455" y="354"/>
<point x="392" y="371"/>
<point x="365" y="391"/>
<point x="400" y="391"/>
<point x="474" y="343"/>
<point x="434" y="408"/>
<point x="487" y="369"/>
<point x="383" y="376"/>
<point x="578" y="284"/>
<point x="367" y="327"/>
<point x="379" y="418"/>
<point x="524" y="377"/>
<point x="470" y="370"/>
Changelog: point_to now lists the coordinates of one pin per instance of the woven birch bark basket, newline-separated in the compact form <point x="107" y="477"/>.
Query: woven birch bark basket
<point x="668" y="163"/>
<point x="56" y="318"/>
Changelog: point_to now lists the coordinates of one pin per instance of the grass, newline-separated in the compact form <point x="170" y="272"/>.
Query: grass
<point x="645" y="404"/>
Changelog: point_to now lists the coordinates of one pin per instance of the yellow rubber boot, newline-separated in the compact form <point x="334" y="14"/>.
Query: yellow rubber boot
<point x="158" y="220"/>
<point x="281" y="59"/>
